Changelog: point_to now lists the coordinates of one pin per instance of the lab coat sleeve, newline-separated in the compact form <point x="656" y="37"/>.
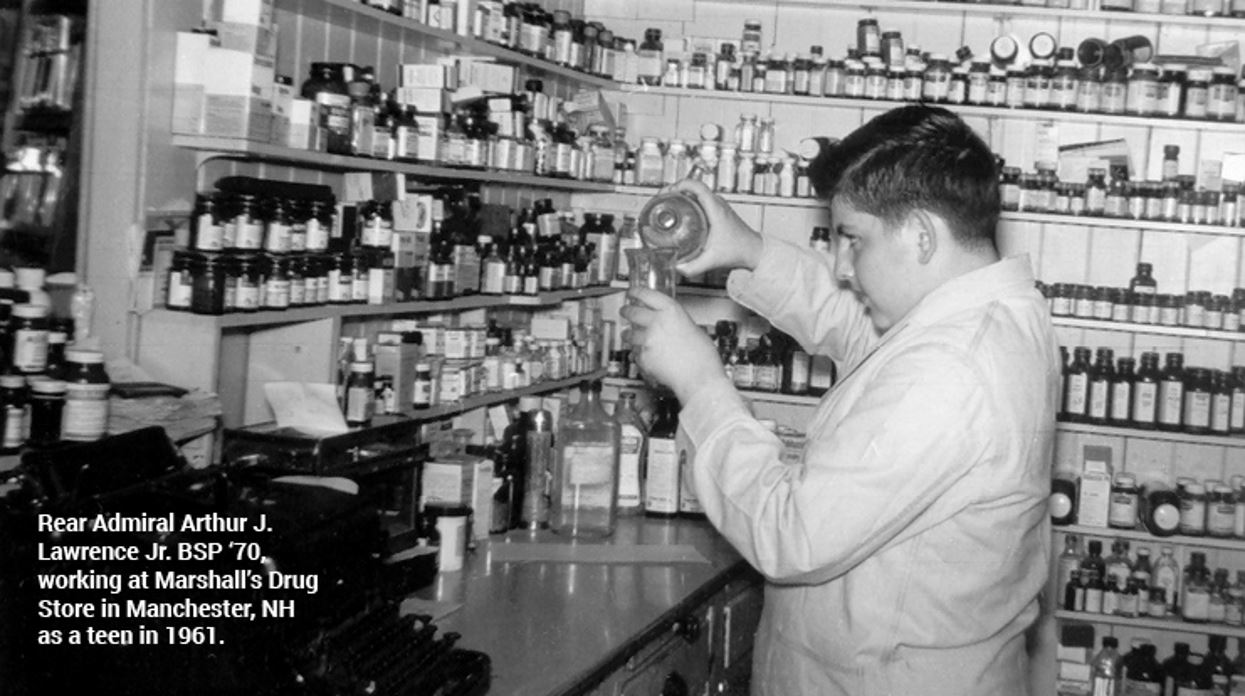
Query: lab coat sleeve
<point x="868" y="481"/>
<point x="795" y="289"/>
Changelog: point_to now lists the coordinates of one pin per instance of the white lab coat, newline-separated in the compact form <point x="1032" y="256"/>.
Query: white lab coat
<point x="905" y="553"/>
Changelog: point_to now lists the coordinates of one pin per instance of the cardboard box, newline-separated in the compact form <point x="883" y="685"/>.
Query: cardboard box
<point x="427" y="75"/>
<point x="407" y="275"/>
<point x="1094" y="492"/>
<point x="188" y="81"/>
<point x="256" y="12"/>
<point x="425" y="99"/>
<point x="302" y="126"/>
<point x="550" y="328"/>
<point x="413" y="213"/>
<point x="257" y="40"/>
<point x="429" y="135"/>
<point x="398" y="360"/>
<point x="238" y="92"/>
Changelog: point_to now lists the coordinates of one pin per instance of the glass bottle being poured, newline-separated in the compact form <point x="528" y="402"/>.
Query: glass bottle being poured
<point x="676" y="219"/>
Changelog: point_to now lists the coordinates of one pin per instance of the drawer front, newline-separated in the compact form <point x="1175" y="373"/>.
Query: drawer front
<point x="676" y="665"/>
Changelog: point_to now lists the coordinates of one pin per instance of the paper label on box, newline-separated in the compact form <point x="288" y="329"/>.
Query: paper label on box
<point x="443" y="483"/>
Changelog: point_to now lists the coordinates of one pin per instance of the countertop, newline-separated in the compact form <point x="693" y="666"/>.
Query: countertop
<point x="557" y="627"/>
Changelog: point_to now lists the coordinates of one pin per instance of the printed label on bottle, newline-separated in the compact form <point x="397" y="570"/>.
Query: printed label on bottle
<point x="1197" y="409"/>
<point x="209" y="235"/>
<point x="1145" y="401"/>
<point x="1078" y="385"/>
<point x="421" y="393"/>
<point x="247" y="295"/>
<point x="1099" y="393"/>
<point x="1219" y="412"/>
<point x="1123" y="512"/>
<point x="85" y="416"/>
<point x="1132" y="687"/>
<point x="589" y="464"/>
<point x="30" y="350"/>
<point x="277" y="293"/>
<point x="1192" y="516"/>
<point x="1195" y="607"/>
<point x="629" y="444"/>
<point x="1121" y="399"/>
<point x="745" y="376"/>
<point x="14" y="427"/>
<point x="1171" y="398"/>
<point x="1093" y="601"/>
<point x="249" y="235"/>
<point x="317" y="235"/>
<point x="768" y="377"/>
<point x="277" y="240"/>
<point x="359" y="404"/>
<point x="661" y="486"/>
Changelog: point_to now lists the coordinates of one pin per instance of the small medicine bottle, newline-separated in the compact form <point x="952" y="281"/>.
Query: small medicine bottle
<point x="360" y="395"/>
<point x="13" y="402"/>
<point x="85" y="417"/>
<point x="1193" y="510"/>
<point x="47" y="404"/>
<point x="1124" y="502"/>
<point x="422" y="393"/>
<point x="30" y="338"/>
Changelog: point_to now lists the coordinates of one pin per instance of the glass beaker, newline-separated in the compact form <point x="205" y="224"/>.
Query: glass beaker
<point x="653" y="268"/>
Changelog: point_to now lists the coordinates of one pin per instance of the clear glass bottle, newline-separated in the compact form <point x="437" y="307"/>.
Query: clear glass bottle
<point x="632" y="445"/>
<point x="585" y="496"/>
<point x="1167" y="576"/>
<point x="1195" y="592"/>
<point x="1107" y="668"/>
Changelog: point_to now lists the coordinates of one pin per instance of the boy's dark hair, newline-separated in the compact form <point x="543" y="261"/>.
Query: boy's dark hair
<point x="916" y="158"/>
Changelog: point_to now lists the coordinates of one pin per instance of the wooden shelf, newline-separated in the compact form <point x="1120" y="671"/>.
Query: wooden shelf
<point x="467" y="45"/>
<point x="250" y="149"/>
<point x="1148" y="329"/>
<point x="963" y="109"/>
<point x="1146" y="537"/>
<point x="238" y="320"/>
<point x="743" y="198"/>
<point x="1002" y="10"/>
<point x="1124" y="223"/>
<point x="1173" y="624"/>
<point x="766" y="397"/>
<point x="482" y="400"/>
<point x="1161" y="435"/>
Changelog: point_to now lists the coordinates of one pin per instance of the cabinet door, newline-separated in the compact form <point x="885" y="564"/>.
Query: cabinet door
<point x="676" y="665"/>
<point x="740" y="616"/>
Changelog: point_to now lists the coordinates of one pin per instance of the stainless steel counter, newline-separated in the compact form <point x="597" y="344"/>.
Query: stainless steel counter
<point x="555" y="627"/>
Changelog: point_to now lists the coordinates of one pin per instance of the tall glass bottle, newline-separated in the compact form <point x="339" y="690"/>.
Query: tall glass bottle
<point x="585" y="497"/>
<point x="1098" y="406"/>
<point x="632" y="443"/>
<point x="1076" y="386"/>
<point x="1167" y="576"/>
<point x="661" y="476"/>
<point x="1143" y="674"/>
<point x="1069" y="560"/>
<point x="1176" y="668"/>
<point x="1106" y="666"/>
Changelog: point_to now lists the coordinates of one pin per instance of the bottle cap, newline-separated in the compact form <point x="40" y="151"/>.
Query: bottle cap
<point x="47" y="386"/>
<point x="82" y="356"/>
<point x="28" y="277"/>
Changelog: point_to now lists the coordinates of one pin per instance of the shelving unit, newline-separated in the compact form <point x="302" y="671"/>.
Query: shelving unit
<point x="1146" y="537"/>
<point x="1149" y="329"/>
<point x="1161" y="435"/>
<point x="762" y="396"/>
<point x="242" y="320"/>
<point x="491" y="398"/>
<point x="1002" y="10"/>
<point x="962" y="109"/>
<point x="447" y="40"/>
<point x="1173" y="624"/>
<point x="249" y="149"/>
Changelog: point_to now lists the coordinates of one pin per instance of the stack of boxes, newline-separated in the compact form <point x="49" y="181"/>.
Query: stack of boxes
<point x="225" y="82"/>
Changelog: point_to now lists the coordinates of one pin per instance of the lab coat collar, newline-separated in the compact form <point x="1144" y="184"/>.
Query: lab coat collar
<point x="1008" y="277"/>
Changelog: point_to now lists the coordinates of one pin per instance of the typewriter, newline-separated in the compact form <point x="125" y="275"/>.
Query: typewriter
<point x="347" y="638"/>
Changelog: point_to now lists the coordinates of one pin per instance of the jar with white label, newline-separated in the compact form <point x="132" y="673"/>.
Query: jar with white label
<point x="85" y="417"/>
<point x="649" y="163"/>
<point x="30" y="338"/>
<point x="1193" y="510"/>
<point x="1122" y="513"/>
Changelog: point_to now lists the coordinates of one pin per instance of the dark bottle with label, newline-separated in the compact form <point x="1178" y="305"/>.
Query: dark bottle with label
<point x="1171" y="393"/>
<point x="1100" y="378"/>
<point x="1093" y="561"/>
<point x="661" y="478"/>
<point x="1176" y="668"/>
<point x="1146" y="392"/>
<point x="1217" y="666"/>
<point x="1143" y="283"/>
<point x="1076" y="386"/>
<point x="1143" y="674"/>
<point x="1121" y="407"/>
